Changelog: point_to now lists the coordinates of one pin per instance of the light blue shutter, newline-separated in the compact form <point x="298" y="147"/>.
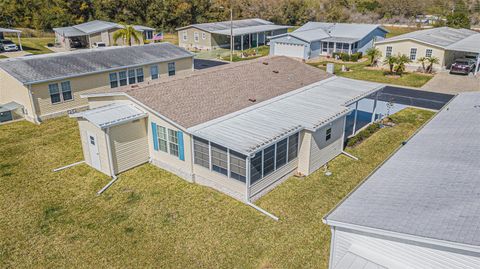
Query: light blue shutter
<point x="155" y="136"/>
<point x="181" y="154"/>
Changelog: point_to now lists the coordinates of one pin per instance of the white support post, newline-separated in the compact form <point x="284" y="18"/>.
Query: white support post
<point x="247" y="181"/>
<point x="349" y="49"/>
<point x="19" y="41"/>
<point x="355" y="119"/>
<point x="477" y="66"/>
<point x="257" y="40"/>
<point x="334" y="46"/>
<point x="374" y="107"/>
<point x="241" y="43"/>
<point x="249" y="41"/>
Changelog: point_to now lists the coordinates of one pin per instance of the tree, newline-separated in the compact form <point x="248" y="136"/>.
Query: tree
<point x="459" y="18"/>
<point x="390" y="61"/>
<point x="373" y="53"/>
<point x="422" y="60"/>
<point x="431" y="61"/>
<point x="402" y="60"/>
<point x="127" y="33"/>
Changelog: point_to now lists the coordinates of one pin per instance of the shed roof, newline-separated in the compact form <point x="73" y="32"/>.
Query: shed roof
<point x="5" y="30"/>
<point x="239" y="26"/>
<point x="111" y="114"/>
<point x="309" y="107"/>
<point x="442" y="37"/>
<point x="430" y="188"/>
<point x="215" y="92"/>
<point x="339" y="32"/>
<point x="40" y="68"/>
<point x="92" y="27"/>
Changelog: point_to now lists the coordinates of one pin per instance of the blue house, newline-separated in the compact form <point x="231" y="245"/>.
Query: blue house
<point x="320" y="38"/>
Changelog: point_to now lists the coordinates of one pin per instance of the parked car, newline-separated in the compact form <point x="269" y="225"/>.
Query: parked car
<point x="462" y="66"/>
<point x="99" y="45"/>
<point x="7" y="45"/>
<point x="75" y="44"/>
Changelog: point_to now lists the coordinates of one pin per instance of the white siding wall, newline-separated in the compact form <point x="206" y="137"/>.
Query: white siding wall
<point x="395" y="253"/>
<point x="220" y="182"/>
<point x="322" y="151"/>
<point x="266" y="184"/>
<point x="85" y="127"/>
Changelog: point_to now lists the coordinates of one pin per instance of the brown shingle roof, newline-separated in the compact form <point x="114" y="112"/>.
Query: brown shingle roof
<point x="215" y="92"/>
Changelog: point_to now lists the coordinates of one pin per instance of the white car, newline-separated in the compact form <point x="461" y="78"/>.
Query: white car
<point x="99" y="45"/>
<point x="8" y="45"/>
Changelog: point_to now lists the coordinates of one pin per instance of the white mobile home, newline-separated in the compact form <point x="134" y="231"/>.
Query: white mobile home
<point x="420" y="209"/>
<point x="240" y="128"/>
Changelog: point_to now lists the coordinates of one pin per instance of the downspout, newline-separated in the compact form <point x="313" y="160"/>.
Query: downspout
<point x="110" y="162"/>
<point x="192" y="158"/>
<point x="332" y="243"/>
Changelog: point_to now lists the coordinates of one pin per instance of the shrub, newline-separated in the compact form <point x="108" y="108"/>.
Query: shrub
<point x="354" y="57"/>
<point x="345" y="57"/>
<point x="363" y="134"/>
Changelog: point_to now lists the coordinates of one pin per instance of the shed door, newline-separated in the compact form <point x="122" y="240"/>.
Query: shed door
<point x="93" y="150"/>
<point x="290" y="50"/>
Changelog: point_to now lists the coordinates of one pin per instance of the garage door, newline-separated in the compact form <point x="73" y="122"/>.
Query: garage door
<point x="290" y="50"/>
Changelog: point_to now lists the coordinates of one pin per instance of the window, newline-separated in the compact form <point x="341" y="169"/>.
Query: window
<point x="92" y="140"/>
<point x="388" y="51"/>
<point x="328" y="134"/>
<point x="292" y="147"/>
<point x="324" y="46"/>
<point x="171" y="69"/>
<point x="123" y="78"/>
<point x="237" y="166"/>
<point x="281" y="155"/>
<point x="173" y="142"/>
<point x="204" y="36"/>
<point x="338" y="46"/>
<point x="139" y="75"/>
<point x="113" y="80"/>
<point x="154" y="71"/>
<point x="195" y="36"/>
<point x="148" y="35"/>
<point x="413" y="54"/>
<point x="256" y="168"/>
<point x="202" y="154"/>
<point x="346" y="46"/>
<point x="54" y="93"/>
<point x="162" y="138"/>
<point x="219" y="159"/>
<point x="131" y="76"/>
<point x="66" y="91"/>
<point x="268" y="160"/>
<point x="184" y="35"/>
<point x="428" y="53"/>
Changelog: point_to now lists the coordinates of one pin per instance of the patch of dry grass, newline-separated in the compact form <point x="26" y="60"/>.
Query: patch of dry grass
<point x="151" y="218"/>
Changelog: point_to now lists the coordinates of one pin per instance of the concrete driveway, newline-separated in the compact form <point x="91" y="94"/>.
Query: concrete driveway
<point x="443" y="82"/>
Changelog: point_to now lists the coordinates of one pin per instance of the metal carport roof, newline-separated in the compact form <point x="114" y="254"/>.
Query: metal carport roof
<point x="469" y="44"/>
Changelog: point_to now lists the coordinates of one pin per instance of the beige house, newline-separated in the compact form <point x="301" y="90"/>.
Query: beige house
<point x="447" y="44"/>
<point x="225" y="127"/>
<point x="50" y="85"/>
<point x="88" y="34"/>
<point x="247" y="33"/>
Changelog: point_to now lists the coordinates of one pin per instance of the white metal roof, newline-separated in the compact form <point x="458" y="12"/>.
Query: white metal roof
<point x="469" y="44"/>
<point x="251" y="29"/>
<point x="92" y="27"/>
<point x="111" y="115"/>
<point x="5" y="30"/>
<point x="10" y="106"/>
<point x="310" y="107"/>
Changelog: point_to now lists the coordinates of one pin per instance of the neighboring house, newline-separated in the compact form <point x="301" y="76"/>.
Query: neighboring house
<point x="247" y="33"/>
<point x="320" y="38"/>
<point x="11" y="31"/>
<point x="85" y="35"/>
<point x="447" y="44"/>
<point x="49" y="85"/>
<point x="240" y="128"/>
<point x="420" y="209"/>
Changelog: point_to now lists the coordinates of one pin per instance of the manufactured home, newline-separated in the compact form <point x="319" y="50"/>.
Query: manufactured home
<point x="240" y="128"/>
<point x="247" y="33"/>
<point x="46" y="86"/>
<point x="420" y="209"/>
<point x="316" y="39"/>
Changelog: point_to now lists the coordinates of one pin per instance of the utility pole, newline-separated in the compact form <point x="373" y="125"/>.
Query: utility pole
<point x="231" y="32"/>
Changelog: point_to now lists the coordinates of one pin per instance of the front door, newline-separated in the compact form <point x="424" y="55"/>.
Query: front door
<point x="93" y="150"/>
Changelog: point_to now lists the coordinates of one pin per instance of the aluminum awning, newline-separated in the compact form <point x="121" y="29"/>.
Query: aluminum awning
<point x="111" y="115"/>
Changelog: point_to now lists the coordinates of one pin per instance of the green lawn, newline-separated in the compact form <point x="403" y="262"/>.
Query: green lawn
<point x="3" y="57"/>
<point x="151" y="218"/>
<point x="359" y="71"/>
<point x="36" y="45"/>
<point x="260" y="52"/>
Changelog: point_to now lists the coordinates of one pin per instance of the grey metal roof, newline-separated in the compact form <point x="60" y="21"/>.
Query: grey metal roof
<point x="341" y="32"/>
<point x="69" y="31"/>
<point x="469" y="44"/>
<point x="354" y="261"/>
<point x="442" y="37"/>
<point x="239" y="26"/>
<point x="142" y="28"/>
<point x="111" y="114"/>
<point x="5" y="30"/>
<point x="40" y="68"/>
<point x="431" y="187"/>
<point x="92" y="27"/>
<point x="309" y="107"/>
<point x="10" y="106"/>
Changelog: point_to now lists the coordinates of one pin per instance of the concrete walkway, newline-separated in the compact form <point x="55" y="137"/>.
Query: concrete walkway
<point x="443" y="82"/>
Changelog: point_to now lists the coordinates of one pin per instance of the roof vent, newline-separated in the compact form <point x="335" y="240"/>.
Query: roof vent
<point x="276" y="71"/>
<point x="253" y="100"/>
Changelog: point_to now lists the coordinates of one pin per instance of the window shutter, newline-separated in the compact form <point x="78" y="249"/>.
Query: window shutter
<point x="155" y="136"/>
<point x="181" y="154"/>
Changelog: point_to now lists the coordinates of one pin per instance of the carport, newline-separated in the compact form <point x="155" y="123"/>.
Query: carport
<point x="12" y="31"/>
<point x="469" y="45"/>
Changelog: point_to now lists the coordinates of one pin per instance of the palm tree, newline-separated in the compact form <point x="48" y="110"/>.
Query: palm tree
<point x="127" y="33"/>
<point x="431" y="61"/>
<point x="373" y="54"/>
<point x="402" y="60"/>
<point x="390" y="61"/>
<point x="422" y="60"/>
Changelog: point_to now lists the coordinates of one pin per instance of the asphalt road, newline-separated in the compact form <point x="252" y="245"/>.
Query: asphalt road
<point x="200" y="64"/>
<point x="417" y="98"/>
